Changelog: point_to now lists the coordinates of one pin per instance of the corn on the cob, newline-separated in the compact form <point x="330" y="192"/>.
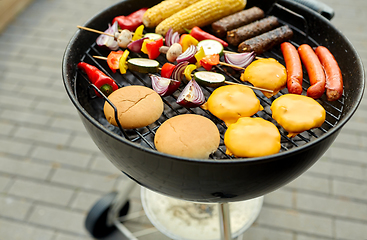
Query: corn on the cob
<point x="156" y="14"/>
<point x="200" y="14"/>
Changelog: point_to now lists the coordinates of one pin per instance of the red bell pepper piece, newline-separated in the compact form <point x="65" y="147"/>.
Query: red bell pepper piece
<point x="153" y="48"/>
<point x="132" y="21"/>
<point x="167" y="70"/>
<point x="113" y="60"/>
<point x="104" y="83"/>
<point x="209" y="61"/>
<point x="201" y="35"/>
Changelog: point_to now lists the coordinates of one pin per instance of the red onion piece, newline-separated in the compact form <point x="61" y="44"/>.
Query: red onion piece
<point x="188" y="55"/>
<point x="175" y="38"/>
<point x="108" y="41"/>
<point x="178" y="71"/>
<point x="164" y="86"/>
<point x="191" y="96"/>
<point x="171" y="37"/>
<point x="239" y="59"/>
<point x="135" y="46"/>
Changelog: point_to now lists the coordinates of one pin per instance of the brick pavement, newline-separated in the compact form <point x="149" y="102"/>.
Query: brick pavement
<point x="51" y="172"/>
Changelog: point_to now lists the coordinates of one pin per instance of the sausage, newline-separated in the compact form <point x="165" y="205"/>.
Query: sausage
<point x="294" y="68"/>
<point x="256" y="28"/>
<point x="334" y="79"/>
<point x="236" y="20"/>
<point x="314" y="70"/>
<point x="266" y="41"/>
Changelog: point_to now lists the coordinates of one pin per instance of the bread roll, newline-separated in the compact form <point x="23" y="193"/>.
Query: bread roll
<point x="187" y="135"/>
<point x="137" y="106"/>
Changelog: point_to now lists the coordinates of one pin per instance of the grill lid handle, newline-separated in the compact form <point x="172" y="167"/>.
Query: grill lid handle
<point x="319" y="7"/>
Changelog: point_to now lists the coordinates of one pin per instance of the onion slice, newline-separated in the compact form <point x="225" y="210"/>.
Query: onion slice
<point x="164" y="86"/>
<point x="191" y="96"/>
<point x="171" y="37"/>
<point x="188" y="55"/>
<point x="239" y="59"/>
<point x="178" y="71"/>
<point x="135" y="46"/>
<point x="108" y="41"/>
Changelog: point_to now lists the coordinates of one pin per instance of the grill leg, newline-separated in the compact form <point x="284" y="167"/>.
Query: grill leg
<point x="224" y="221"/>
<point x="120" y="200"/>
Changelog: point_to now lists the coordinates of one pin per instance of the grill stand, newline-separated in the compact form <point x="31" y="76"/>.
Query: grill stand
<point x="109" y="213"/>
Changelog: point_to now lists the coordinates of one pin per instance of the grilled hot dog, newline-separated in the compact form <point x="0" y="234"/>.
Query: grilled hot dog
<point x="315" y="71"/>
<point x="334" y="79"/>
<point x="294" y="68"/>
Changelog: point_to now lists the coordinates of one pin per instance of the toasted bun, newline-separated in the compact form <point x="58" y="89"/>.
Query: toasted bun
<point x="137" y="106"/>
<point x="187" y="135"/>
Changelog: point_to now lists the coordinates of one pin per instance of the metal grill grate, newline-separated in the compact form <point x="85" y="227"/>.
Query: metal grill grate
<point x="145" y="136"/>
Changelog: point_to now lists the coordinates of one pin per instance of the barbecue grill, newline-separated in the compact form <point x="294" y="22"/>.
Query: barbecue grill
<point x="221" y="178"/>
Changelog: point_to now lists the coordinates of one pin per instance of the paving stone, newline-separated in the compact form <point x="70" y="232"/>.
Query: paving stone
<point x="4" y="182"/>
<point x="350" y="189"/>
<point x="85" y="143"/>
<point x="85" y="200"/>
<point x="350" y="230"/>
<point x="332" y="168"/>
<point x="293" y="220"/>
<point x="25" y="117"/>
<point x="14" y="208"/>
<point x="11" y="146"/>
<point x="84" y="180"/>
<point x="280" y="197"/>
<point x="348" y="155"/>
<point x="334" y="206"/>
<point x="60" y="219"/>
<point x="24" y="168"/>
<point x="312" y="183"/>
<point x="42" y="135"/>
<point x="68" y="124"/>
<point x="42" y="192"/>
<point x="6" y="128"/>
<point x="63" y="236"/>
<point x="263" y="233"/>
<point x="102" y="164"/>
<point x="61" y="156"/>
<point x="21" y="231"/>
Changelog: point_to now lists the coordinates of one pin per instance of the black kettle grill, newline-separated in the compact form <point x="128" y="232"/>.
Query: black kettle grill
<point x="220" y="178"/>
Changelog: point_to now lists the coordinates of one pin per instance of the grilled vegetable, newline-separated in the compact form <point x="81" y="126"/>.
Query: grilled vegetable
<point x="153" y="48"/>
<point x="156" y="14"/>
<point x="143" y="65"/>
<point x="200" y="35"/>
<point x="211" y="47"/>
<point x="132" y="21"/>
<point x="173" y="52"/>
<point x="209" y="79"/>
<point x="113" y="59"/>
<point x="200" y="14"/>
<point x="167" y="70"/>
<point x="209" y="61"/>
<point x="104" y="83"/>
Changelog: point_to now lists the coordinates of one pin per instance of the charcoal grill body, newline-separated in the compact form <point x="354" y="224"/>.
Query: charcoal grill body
<point x="215" y="180"/>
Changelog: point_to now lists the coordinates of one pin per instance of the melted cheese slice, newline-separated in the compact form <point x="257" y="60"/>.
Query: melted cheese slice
<point x="297" y="113"/>
<point x="231" y="102"/>
<point x="252" y="137"/>
<point x="266" y="73"/>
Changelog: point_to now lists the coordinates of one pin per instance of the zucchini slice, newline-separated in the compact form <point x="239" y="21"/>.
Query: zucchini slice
<point x="143" y="65"/>
<point x="153" y="36"/>
<point x="211" y="47"/>
<point x="209" y="79"/>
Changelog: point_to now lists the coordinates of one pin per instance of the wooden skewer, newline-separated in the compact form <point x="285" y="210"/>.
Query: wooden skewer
<point x="96" y="31"/>
<point x="226" y="82"/>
